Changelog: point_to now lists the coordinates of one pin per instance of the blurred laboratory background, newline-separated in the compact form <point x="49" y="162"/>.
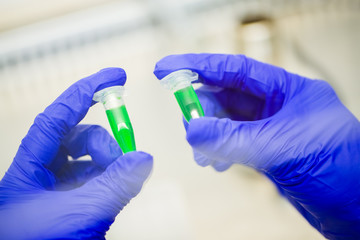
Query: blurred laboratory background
<point x="45" y="46"/>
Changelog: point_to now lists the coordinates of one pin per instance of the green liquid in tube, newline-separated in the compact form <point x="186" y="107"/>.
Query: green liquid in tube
<point x="189" y="103"/>
<point x="121" y="127"/>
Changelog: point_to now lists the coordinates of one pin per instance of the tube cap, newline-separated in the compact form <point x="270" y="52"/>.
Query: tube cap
<point x="179" y="79"/>
<point x="100" y="96"/>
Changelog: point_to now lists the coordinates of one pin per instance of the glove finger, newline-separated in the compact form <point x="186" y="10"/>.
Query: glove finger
<point x="224" y="140"/>
<point x="233" y="71"/>
<point x="186" y="124"/>
<point x="204" y="161"/>
<point x="234" y="104"/>
<point x="84" y="140"/>
<point x="92" y="140"/>
<point x="209" y="102"/>
<point x="108" y="193"/>
<point x="50" y="127"/>
<point x="75" y="173"/>
<point x="221" y="166"/>
<point x="201" y="159"/>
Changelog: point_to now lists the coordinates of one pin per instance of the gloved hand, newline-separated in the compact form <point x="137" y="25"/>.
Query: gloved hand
<point x="43" y="195"/>
<point x="293" y="129"/>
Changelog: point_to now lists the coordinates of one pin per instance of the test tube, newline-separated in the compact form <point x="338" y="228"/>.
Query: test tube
<point x="112" y="99"/>
<point x="180" y="83"/>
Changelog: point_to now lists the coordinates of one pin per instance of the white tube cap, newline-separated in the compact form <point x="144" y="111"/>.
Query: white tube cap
<point x="179" y="79"/>
<point x="111" y="97"/>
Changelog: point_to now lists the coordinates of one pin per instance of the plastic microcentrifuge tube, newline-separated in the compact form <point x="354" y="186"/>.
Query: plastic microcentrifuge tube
<point x="180" y="83"/>
<point x="112" y="99"/>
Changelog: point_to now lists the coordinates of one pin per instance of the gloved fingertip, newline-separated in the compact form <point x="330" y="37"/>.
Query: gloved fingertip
<point x="113" y="72"/>
<point x="160" y="74"/>
<point x="201" y="159"/>
<point x="161" y="67"/>
<point x="199" y="130"/>
<point x="140" y="155"/>
<point x="115" y="150"/>
<point x="186" y="124"/>
<point x="172" y="63"/>
<point x="221" y="166"/>
<point x="119" y="183"/>
<point x="110" y="77"/>
<point x="137" y="162"/>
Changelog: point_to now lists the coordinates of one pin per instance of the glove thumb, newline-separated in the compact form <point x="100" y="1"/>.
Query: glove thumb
<point x="223" y="140"/>
<point x="109" y="192"/>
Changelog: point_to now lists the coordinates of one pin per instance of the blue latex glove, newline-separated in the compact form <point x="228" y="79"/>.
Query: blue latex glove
<point x="293" y="129"/>
<point x="43" y="195"/>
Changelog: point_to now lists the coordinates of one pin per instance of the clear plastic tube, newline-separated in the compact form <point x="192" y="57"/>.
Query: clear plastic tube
<point x="112" y="99"/>
<point x="180" y="83"/>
